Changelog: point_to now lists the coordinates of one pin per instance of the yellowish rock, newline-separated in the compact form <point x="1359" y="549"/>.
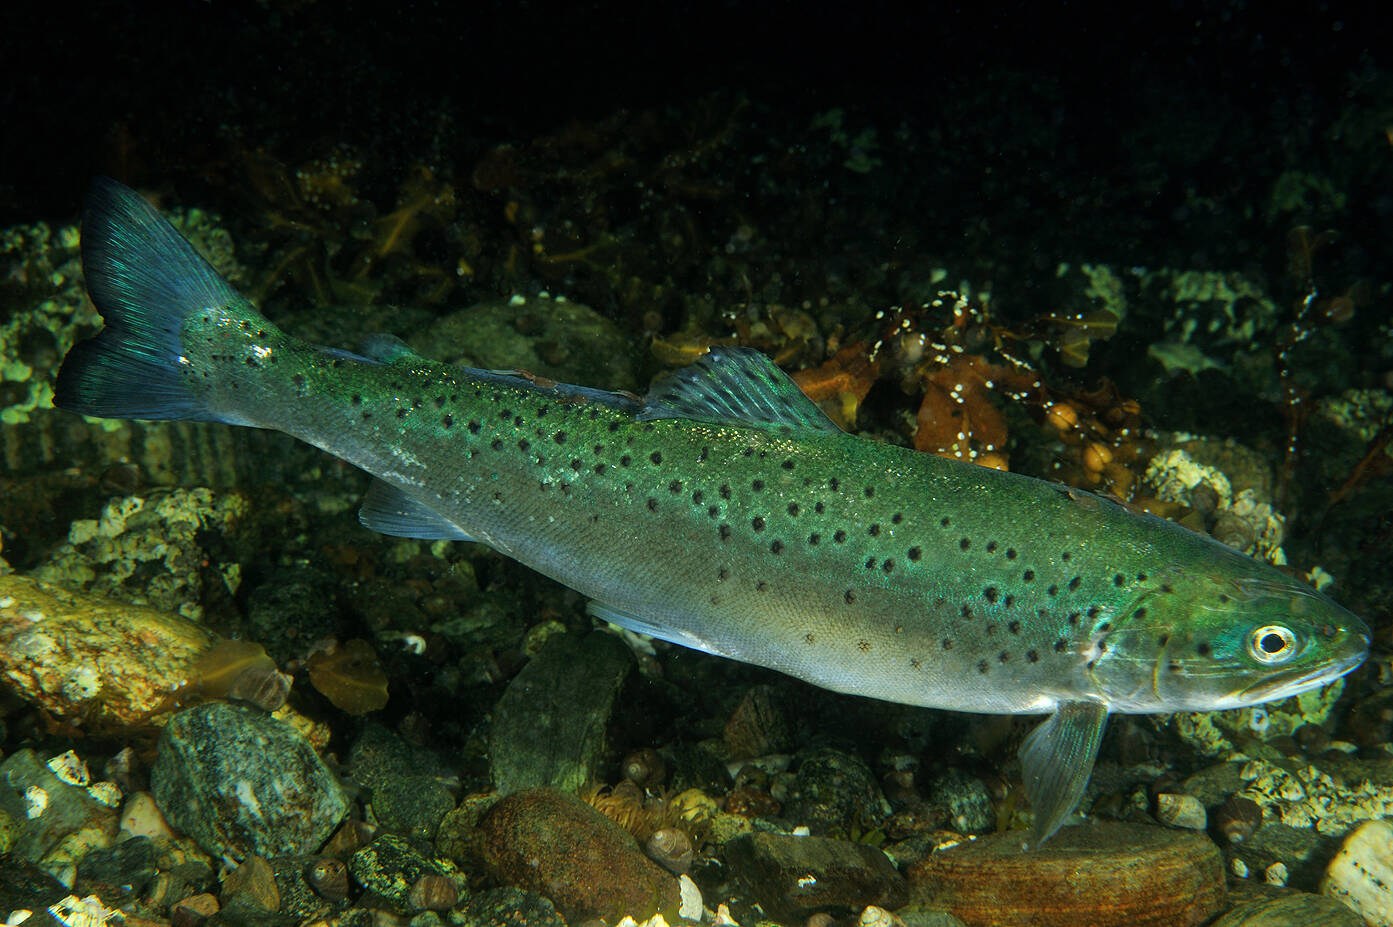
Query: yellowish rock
<point x="93" y="661"/>
<point x="1361" y="874"/>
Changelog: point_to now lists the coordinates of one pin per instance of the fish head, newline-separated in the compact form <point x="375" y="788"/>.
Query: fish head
<point x="1211" y="641"/>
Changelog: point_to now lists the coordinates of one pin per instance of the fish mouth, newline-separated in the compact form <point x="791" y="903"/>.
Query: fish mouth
<point x="1295" y="682"/>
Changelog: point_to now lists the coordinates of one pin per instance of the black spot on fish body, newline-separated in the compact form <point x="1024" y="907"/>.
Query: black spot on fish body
<point x="965" y="543"/>
<point x="674" y="487"/>
<point x="814" y="539"/>
<point x="776" y="547"/>
<point x="656" y="457"/>
<point x="873" y="531"/>
<point x="559" y="437"/>
<point x="448" y="420"/>
<point x="757" y="523"/>
<point x="839" y="537"/>
<point x="793" y="509"/>
<point x="982" y="666"/>
<point x="914" y="554"/>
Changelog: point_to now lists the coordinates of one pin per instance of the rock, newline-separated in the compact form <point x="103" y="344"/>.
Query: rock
<point x="118" y="873"/>
<point x="46" y="816"/>
<point x="551" y="842"/>
<point x="406" y="788"/>
<point x="835" y="792"/>
<point x="1090" y="876"/>
<point x="402" y="879"/>
<point x="1297" y="908"/>
<point x="24" y="886"/>
<point x="759" y="725"/>
<point x="917" y="916"/>
<point x="549" y="725"/>
<point x="1175" y="809"/>
<point x="1300" y="849"/>
<point x="966" y="800"/>
<point x="242" y="783"/>
<point x="53" y="639"/>
<point x="792" y="877"/>
<point x="554" y="338"/>
<point x="1361" y="874"/>
<point x="507" y="907"/>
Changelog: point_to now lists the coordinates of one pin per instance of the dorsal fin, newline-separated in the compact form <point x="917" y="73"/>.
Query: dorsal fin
<point x="736" y="386"/>
<point x="388" y="349"/>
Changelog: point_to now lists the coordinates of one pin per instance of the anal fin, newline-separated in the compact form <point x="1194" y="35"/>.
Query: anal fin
<point x="1056" y="761"/>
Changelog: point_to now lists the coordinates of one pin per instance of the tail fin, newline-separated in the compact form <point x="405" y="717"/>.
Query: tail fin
<point x="145" y="280"/>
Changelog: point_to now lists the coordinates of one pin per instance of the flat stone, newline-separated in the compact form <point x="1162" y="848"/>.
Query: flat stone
<point x="43" y="810"/>
<point x="1298" y="908"/>
<point x="792" y="877"/>
<point x="549" y="725"/>
<point x="1090" y="876"/>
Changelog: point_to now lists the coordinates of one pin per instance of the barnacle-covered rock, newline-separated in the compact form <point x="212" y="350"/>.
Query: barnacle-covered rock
<point x="1312" y="797"/>
<point x="1102" y="874"/>
<point x="150" y="550"/>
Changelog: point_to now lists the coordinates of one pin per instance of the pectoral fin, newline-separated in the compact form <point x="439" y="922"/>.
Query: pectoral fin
<point x="1056" y="760"/>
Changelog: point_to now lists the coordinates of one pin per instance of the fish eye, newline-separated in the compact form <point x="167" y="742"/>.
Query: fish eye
<point x="1272" y="643"/>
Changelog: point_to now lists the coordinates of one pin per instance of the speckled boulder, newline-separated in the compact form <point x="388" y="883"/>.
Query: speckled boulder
<point x="552" y="843"/>
<point x="240" y="782"/>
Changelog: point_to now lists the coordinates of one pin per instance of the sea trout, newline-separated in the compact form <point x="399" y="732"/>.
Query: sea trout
<point x="725" y="512"/>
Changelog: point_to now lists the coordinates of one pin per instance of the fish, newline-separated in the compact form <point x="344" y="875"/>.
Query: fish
<point x="723" y="511"/>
